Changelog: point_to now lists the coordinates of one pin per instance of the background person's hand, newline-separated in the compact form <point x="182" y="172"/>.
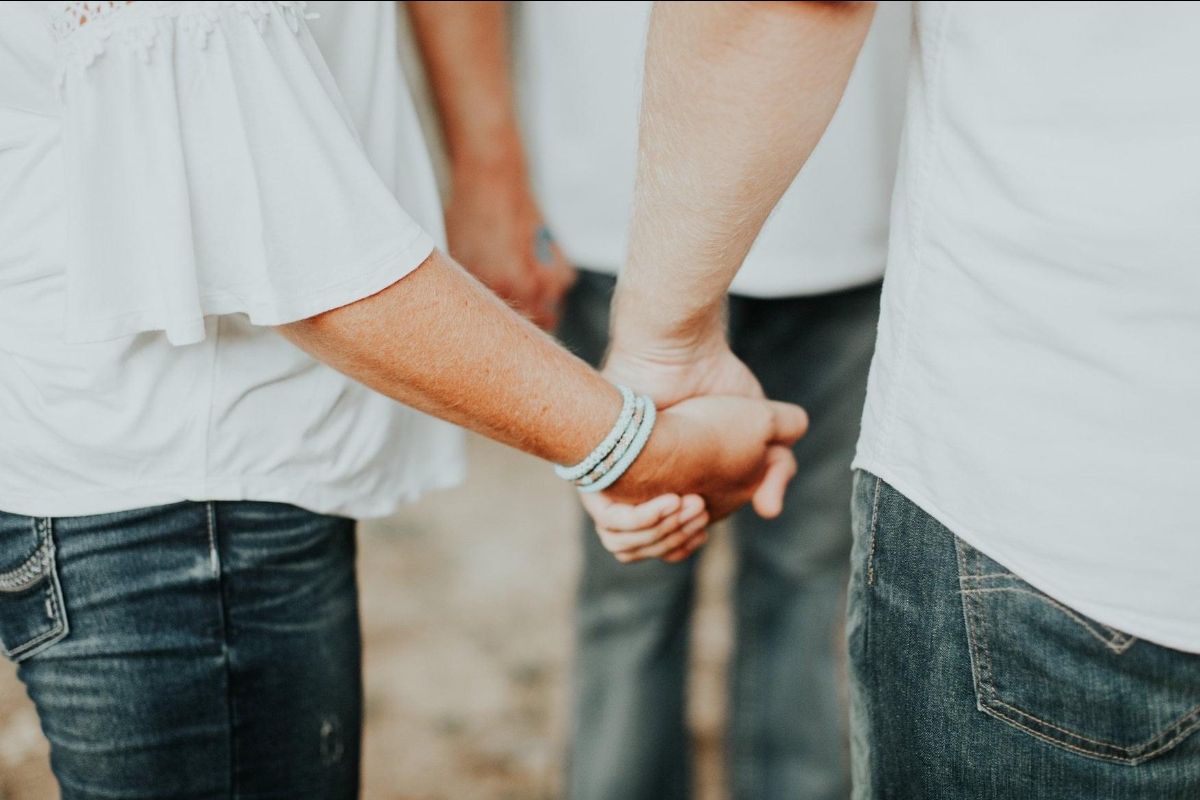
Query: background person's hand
<point x="497" y="232"/>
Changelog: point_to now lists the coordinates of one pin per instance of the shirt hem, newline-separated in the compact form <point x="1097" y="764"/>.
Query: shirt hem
<point x="312" y="497"/>
<point x="1138" y="626"/>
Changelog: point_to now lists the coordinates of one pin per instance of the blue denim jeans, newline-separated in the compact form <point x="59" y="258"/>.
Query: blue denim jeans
<point x="969" y="683"/>
<point x="786" y="723"/>
<point x="196" y="650"/>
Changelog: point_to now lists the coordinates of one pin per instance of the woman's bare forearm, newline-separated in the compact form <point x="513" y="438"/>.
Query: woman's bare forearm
<point x="439" y="341"/>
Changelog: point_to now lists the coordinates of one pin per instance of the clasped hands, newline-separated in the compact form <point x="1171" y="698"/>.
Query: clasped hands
<point x="719" y="444"/>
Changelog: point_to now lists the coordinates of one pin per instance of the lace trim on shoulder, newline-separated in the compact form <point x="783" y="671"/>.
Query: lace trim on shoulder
<point x="85" y="30"/>
<point x="69" y="17"/>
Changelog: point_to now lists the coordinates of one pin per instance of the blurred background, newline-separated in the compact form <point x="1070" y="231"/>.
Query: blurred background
<point x="467" y="600"/>
<point x="466" y="606"/>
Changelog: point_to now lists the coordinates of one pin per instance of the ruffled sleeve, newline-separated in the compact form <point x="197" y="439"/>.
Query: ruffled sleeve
<point x="211" y="168"/>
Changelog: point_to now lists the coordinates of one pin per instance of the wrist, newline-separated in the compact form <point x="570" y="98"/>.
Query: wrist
<point x="499" y="162"/>
<point x="651" y="473"/>
<point x="639" y="327"/>
<point x="502" y="185"/>
<point x="646" y="345"/>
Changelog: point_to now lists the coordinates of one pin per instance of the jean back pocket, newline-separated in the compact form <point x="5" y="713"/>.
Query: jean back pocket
<point x="1043" y="667"/>
<point x="32" y="615"/>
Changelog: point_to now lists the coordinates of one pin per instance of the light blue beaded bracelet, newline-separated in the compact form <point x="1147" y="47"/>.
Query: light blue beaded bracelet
<point x="605" y="447"/>
<point x="630" y="455"/>
<point x="623" y="444"/>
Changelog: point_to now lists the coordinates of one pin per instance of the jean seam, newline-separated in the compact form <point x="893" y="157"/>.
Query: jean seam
<point x="223" y="630"/>
<point x="979" y="667"/>
<point x="743" y="770"/>
<point x="214" y="560"/>
<point x="1130" y="755"/>
<point x="873" y="527"/>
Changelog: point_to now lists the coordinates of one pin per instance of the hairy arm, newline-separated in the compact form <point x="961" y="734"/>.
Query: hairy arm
<point x="439" y="341"/>
<point x="736" y="97"/>
<point x="493" y="222"/>
<point x="465" y="50"/>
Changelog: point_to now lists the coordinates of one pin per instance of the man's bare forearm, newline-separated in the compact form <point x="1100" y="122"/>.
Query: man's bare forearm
<point x="736" y="97"/>
<point x="464" y="47"/>
<point x="439" y="341"/>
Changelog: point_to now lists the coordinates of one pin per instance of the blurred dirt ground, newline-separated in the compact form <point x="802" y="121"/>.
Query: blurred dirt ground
<point x="466" y="603"/>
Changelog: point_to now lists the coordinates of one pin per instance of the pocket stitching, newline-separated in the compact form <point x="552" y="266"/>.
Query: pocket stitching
<point x="30" y="572"/>
<point x="976" y="645"/>
<point x="1119" y="643"/>
<point x="1134" y="755"/>
<point x="61" y="627"/>
<point x="988" y="702"/>
<point x="874" y="526"/>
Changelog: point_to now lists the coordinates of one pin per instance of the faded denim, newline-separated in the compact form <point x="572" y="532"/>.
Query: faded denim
<point x="969" y="683"/>
<point x="196" y="650"/>
<point x="786" y="735"/>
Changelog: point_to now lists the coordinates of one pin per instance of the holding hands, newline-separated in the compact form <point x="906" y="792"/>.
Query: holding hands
<point x="719" y="441"/>
<point x="718" y="444"/>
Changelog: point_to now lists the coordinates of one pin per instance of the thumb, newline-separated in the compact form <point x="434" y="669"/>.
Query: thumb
<point x="768" y="497"/>
<point x="790" y="422"/>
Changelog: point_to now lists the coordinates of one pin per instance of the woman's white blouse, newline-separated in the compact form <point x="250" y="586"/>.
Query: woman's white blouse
<point x="173" y="177"/>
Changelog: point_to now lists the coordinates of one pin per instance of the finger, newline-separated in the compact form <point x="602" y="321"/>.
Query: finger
<point x="690" y="507"/>
<point x="563" y="273"/>
<point x="689" y="547"/>
<point x="631" y="541"/>
<point x="552" y="309"/>
<point x="529" y="305"/>
<point x="635" y="540"/>
<point x="768" y="496"/>
<point x="667" y="543"/>
<point x="520" y="284"/>
<point x="542" y="305"/>
<point x="623" y="517"/>
<point x="552" y="299"/>
<point x="539" y="299"/>
<point x="699" y="535"/>
<point x="790" y="422"/>
<point x="546" y="319"/>
<point x="596" y="505"/>
<point x="617" y="542"/>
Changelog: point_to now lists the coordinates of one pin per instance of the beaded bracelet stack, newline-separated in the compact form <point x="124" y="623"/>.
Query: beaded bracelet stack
<point x="620" y="448"/>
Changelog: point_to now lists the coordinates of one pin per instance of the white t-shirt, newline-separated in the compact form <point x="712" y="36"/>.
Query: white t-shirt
<point x="197" y="176"/>
<point x="579" y="79"/>
<point x="1037" y="379"/>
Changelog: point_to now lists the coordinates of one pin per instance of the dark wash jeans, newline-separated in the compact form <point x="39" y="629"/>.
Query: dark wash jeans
<point x="969" y="683"/>
<point x="786" y="736"/>
<point x="196" y="650"/>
